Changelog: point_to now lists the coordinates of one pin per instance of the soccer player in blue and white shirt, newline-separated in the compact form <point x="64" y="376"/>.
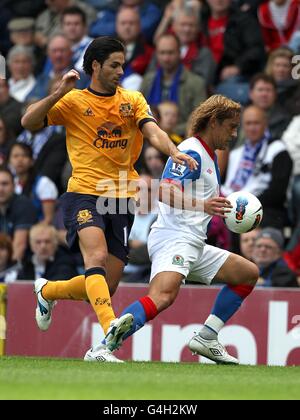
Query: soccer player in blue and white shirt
<point x="177" y="248"/>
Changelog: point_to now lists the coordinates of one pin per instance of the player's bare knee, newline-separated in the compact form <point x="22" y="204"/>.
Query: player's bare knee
<point x="255" y="274"/>
<point x="250" y="274"/>
<point x="96" y="259"/>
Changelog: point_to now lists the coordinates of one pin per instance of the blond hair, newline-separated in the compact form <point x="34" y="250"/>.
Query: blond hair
<point x="282" y="52"/>
<point x="41" y="227"/>
<point x="216" y="107"/>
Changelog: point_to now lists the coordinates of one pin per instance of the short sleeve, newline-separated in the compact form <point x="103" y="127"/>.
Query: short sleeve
<point x="143" y="113"/>
<point x="46" y="189"/>
<point x="179" y="174"/>
<point x="61" y="111"/>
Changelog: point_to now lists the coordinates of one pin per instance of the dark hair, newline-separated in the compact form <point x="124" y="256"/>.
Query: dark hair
<point x="27" y="188"/>
<point x="262" y="77"/>
<point x="7" y="171"/>
<point x="25" y="147"/>
<point x="74" y="10"/>
<point x="100" y="49"/>
<point x="6" y="243"/>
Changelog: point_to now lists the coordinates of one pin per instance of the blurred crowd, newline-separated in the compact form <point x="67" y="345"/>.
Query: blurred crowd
<point x="179" y="52"/>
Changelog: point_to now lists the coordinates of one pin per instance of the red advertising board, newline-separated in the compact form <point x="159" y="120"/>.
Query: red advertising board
<point x="266" y="330"/>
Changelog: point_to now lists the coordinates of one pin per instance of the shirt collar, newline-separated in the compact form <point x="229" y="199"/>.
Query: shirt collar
<point x="206" y="147"/>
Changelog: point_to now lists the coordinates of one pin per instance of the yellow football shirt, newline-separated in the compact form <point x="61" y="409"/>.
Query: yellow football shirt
<point x="103" y="139"/>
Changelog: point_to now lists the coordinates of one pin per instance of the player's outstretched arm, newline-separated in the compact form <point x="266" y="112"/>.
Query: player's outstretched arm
<point x="35" y="115"/>
<point x="173" y="195"/>
<point x="161" y="141"/>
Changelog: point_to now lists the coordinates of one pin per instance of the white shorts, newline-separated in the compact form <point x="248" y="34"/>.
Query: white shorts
<point x="196" y="263"/>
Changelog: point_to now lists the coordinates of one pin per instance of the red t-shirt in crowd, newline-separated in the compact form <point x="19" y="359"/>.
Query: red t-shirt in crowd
<point x="216" y="30"/>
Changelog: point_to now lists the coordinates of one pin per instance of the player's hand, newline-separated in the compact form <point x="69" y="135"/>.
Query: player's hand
<point x="68" y="82"/>
<point x="184" y="159"/>
<point x="217" y="206"/>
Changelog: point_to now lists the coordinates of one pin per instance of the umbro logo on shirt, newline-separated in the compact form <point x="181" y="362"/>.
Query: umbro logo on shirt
<point x="209" y="171"/>
<point x="89" y="113"/>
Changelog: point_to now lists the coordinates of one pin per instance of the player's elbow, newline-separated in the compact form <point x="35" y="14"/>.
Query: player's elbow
<point x="30" y="125"/>
<point x="25" y="122"/>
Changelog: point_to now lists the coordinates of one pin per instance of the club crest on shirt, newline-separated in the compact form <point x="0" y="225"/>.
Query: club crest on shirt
<point x="126" y="110"/>
<point x="89" y="113"/>
<point x="84" y="216"/>
<point x="178" y="260"/>
<point x="177" y="169"/>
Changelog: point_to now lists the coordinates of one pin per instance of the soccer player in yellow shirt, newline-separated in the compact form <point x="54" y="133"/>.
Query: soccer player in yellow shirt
<point x="105" y="125"/>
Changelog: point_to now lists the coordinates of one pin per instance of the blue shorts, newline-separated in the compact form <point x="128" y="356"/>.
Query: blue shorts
<point x="80" y="212"/>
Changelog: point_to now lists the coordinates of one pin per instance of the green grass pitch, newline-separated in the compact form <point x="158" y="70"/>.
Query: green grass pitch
<point x="31" y="378"/>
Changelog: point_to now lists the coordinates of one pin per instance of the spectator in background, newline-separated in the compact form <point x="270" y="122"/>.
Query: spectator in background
<point x="292" y="258"/>
<point x="17" y="214"/>
<point x="263" y="94"/>
<point x="5" y="141"/>
<point x="218" y="234"/>
<point x="49" y="152"/>
<point x="173" y="82"/>
<point x="10" y="109"/>
<point x="5" y="16"/>
<point x="49" y="147"/>
<point x="184" y="22"/>
<point x="48" y="23"/>
<point x="46" y="259"/>
<point x="100" y="5"/>
<point x="280" y="68"/>
<point x="149" y="12"/>
<point x="20" y="8"/>
<point x="291" y="138"/>
<point x="20" y="62"/>
<point x="168" y="120"/>
<point x="154" y="162"/>
<point x="74" y="28"/>
<point x="139" y="267"/>
<point x="60" y="55"/>
<point x="21" y="32"/>
<point x="247" y="242"/>
<point x="8" y="268"/>
<point x="261" y="166"/>
<point x="40" y="189"/>
<point x="278" y="20"/>
<point x="267" y="255"/>
<point x="138" y="52"/>
<point x="235" y="40"/>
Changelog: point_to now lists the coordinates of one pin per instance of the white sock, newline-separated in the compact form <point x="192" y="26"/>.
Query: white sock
<point x="211" y="328"/>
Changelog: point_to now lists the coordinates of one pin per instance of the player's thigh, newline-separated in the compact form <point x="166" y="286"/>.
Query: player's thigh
<point x="93" y="247"/>
<point x="164" y="288"/>
<point x="237" y="270"/>
<point x="171" y="253"/>
<point x="85" y="227"/>
<point x="208" y="264"/>
<point x="117" y="235"/>
<point x="114" y="270"/>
